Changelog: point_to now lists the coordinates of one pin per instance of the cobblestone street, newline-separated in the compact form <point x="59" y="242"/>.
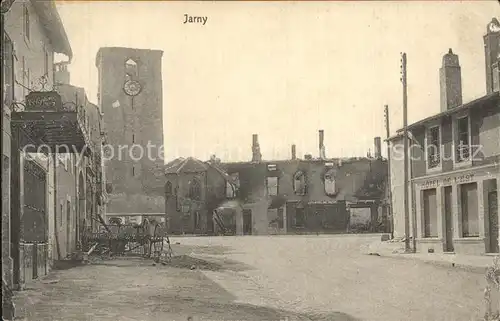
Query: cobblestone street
<point x="333" y="273"/>
<point x="134" y="289"/>
<point x="274" y="278"/>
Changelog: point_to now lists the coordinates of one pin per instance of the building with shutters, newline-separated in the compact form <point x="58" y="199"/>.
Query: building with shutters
<point x="32" y="33"/>
<point x="51" y="146"/>
<point x="454" y="164"/>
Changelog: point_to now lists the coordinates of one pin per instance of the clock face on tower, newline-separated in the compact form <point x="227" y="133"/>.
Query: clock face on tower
<point x="132" y="87"/>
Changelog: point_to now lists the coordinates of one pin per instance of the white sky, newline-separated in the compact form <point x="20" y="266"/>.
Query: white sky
<point x="285" y="70"/>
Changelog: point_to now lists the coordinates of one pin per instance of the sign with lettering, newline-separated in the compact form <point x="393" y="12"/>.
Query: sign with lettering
<point x="459" y="179"/>
<point x="43" y="101"/>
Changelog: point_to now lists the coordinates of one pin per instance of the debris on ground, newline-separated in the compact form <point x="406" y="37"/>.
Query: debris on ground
<point x="385" y="237"/>
<point x="396" y="240"/>
<point x="189" y="262"/>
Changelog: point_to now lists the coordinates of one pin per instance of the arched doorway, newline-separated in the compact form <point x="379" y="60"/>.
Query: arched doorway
<point x="80" y="215"/>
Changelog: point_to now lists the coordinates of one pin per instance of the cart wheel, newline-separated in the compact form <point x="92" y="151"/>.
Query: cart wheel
<point x="145" y="238"/>
<point x="156" y="248"/>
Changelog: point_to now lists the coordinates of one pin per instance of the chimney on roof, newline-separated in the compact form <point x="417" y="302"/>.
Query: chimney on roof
<point x="294" y="152"/>
<point x="378" y="147"/>
<point x="322" y="151"/>
<point x="256" y="155"/>
<point x="450" y="82"/>
<point x="61" y="73"/>
<point x="492" y="56"/>
<point x="308" y="157"/>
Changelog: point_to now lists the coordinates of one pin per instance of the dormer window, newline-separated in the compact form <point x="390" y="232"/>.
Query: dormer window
<point x="462" y="139"/>
<point x="299" y="183"/>
<point x="433" y="147"/>
<point x="271" y="167"/>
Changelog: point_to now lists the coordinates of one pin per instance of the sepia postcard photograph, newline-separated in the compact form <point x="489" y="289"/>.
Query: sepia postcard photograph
<point x="250" y="160"/>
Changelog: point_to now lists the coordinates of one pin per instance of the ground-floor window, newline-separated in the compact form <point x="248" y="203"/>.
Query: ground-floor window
<point x="430" y="213"/>
<point x="470" y="215"/>
<point x="34" y="219"/>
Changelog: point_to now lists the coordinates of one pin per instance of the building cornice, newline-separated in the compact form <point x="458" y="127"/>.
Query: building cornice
<point x="53" y="26"/>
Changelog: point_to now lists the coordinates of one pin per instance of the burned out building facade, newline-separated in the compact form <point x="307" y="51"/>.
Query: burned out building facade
<point x="193" y="190"/>
<point x="295" y="196"/>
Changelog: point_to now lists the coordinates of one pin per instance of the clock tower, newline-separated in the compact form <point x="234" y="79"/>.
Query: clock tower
<point x="130" y="99"/>
<point x="492" y="56"/>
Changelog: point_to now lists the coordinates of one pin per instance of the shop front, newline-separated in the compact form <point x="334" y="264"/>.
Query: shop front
<point x="457" y="212"/>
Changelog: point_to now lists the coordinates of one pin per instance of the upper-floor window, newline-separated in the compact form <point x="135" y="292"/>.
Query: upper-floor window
<point x="177" y="199"/>
<point x="433" y="147"/>
<point x="462" y="141"/>
<point x="299" y="183"/>
<point x="26" y="25"/>
<point x="272" y="186"/>
<point x="8" y="71"/>
<point x="168" y="189"/>
<point x="131" y="68"/>
<point x="195" y="189"/>
<point x="330" y="184"/>
<point x="232" y="186"/>
<point x="230" y="190"/>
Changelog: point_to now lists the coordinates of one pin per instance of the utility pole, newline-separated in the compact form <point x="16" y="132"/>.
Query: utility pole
<point x="405" y="140"/>
<point x="388" y="132"/>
